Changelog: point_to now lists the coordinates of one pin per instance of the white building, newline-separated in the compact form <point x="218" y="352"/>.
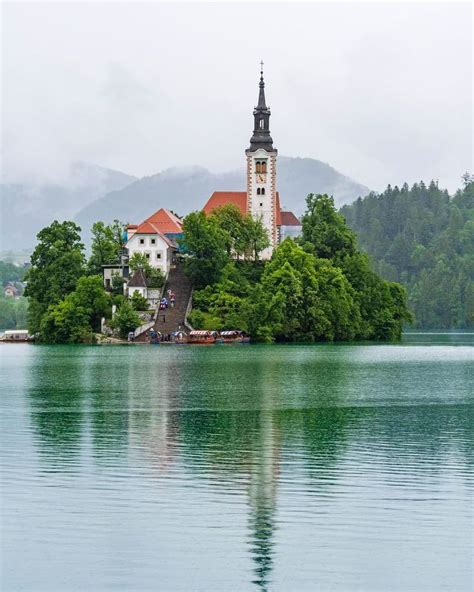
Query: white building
<point x="156" y="239"/>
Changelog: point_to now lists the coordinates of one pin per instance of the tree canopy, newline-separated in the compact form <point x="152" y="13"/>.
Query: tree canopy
<point x="107" y="245"/>
<point x="213" y="241"/>
<point x="57" y="263"/>
<point x="319" y="288"/>
<point x="423" y="238"/>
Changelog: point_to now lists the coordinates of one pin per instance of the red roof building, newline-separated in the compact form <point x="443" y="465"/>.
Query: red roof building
<point x="166" y="222"/>
<point x="239" y="199"/>
<point x="289" y="219"/>
<point x="223" y="198"/>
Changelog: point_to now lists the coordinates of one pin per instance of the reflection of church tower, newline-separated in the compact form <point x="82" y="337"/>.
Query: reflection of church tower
<point x="261" y="171"/>
<point x="263" y="486"/>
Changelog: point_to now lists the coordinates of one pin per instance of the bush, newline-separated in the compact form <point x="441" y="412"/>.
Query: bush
<point x="126" y="319"/>
<point x="139" y="302"/>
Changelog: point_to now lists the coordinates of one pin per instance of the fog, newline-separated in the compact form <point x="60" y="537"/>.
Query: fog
<point x="381" y="91"/>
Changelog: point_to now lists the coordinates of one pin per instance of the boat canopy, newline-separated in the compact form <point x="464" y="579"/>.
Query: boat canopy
<point x="199" y="333"/>
<point x="229" y="333"/>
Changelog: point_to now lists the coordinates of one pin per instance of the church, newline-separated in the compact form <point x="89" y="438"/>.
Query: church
<point x="261" y="199"/>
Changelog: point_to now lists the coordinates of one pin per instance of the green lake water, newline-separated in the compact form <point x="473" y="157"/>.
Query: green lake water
<point x="235" y="468"/>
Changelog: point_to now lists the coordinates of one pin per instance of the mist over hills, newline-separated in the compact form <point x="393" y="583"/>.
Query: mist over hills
<point x="185" y="189"/>
<point x="94" y="193"/>
<point x="27" y="208"/>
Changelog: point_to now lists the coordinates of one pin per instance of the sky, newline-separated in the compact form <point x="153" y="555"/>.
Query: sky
<point x="380" y="91"/>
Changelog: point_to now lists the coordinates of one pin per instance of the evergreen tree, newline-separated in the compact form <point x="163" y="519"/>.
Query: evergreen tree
<point x="423" y="238"/>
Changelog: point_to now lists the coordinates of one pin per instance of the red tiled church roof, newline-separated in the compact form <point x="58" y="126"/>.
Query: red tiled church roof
<point x="289" y="219"/>
<point x="239" y="199"/>
<point x="222" y="198"/>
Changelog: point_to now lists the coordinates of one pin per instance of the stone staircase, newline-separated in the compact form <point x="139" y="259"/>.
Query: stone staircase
<point x="172" y="319"/>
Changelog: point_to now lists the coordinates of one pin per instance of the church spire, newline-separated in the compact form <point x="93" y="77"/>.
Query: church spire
<point x="261" y="130"/>
<point x="261" y="94"/>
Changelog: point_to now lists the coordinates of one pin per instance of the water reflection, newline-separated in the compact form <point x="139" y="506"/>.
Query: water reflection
<point x="250" y="424"/>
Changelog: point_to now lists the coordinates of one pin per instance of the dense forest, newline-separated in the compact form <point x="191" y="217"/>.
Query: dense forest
<point x="319" y="288"/>
<point x="424" y="238"/>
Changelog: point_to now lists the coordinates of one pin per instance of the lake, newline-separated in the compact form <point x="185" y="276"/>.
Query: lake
<point x="241" y="467"/>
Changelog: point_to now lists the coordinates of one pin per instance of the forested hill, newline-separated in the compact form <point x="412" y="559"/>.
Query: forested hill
<point x="423" y="238"/>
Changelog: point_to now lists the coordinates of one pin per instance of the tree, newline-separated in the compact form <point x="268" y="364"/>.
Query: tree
<point x="254" y="237"/>
<point x="107" y="245"/>
<point x="57" y="263"/>
<point x="78" y="316"/>
<point x="231" y="221"/>
<point x="91" y="295"/>
<point x="298" y="295"/>
<point x="424" y="238"/>
<point x="65" y="322"/>
<point x="139" y="302"/>
<point x="206" y="244"/>
<point x="154" y="276"/>
<point x="325" y="230"/>
<point x="13" y="313"/>
<point x="126" y="319"/>
<point x="139" y="261"/>
<point x="11" y="273"/>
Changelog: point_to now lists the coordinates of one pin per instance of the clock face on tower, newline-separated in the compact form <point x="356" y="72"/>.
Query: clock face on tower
<point x="261" y="177"/>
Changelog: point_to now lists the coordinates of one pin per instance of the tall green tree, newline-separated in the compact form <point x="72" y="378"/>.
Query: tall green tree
<point x="57" y="263"/>
<point x="107" y="245"/>
<point x="206" y="243"/>
<point x="325" y="229"/>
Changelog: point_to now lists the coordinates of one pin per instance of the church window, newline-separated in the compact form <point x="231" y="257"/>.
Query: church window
<point x="261" y="204"/>
<point x="258" y="191"/>
<point x="263" y="191"/>
<point x="264" y="166"/>
<point x="258" y="166"/>
<point x="262" y="123"/>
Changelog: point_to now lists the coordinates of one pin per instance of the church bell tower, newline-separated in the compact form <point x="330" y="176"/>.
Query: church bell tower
<point x="261" y="171"/>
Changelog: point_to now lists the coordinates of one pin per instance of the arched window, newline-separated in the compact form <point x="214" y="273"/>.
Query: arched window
<point x="262" y="123"/>
<point x="264" y="166"/>
<point x="258" y="166"/>
<point x="258" y="191"/>
<point x="262" y="192"/>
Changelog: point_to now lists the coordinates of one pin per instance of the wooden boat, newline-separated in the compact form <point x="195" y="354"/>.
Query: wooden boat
<point x="16" y="336"/>
<point x="201" y="337"/>
<point x="234" y="337"/>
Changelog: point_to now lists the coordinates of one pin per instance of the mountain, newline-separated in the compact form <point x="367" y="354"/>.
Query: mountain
<point x="185" y="189"/>
<point x="26" y="208"/>
<point x="92" y="193"/>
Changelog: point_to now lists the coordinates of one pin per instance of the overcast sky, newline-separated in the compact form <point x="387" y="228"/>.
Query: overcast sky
<point x="382" y="92"/>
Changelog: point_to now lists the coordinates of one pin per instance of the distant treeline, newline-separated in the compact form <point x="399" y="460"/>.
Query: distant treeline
<point x="424" y="238"/>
